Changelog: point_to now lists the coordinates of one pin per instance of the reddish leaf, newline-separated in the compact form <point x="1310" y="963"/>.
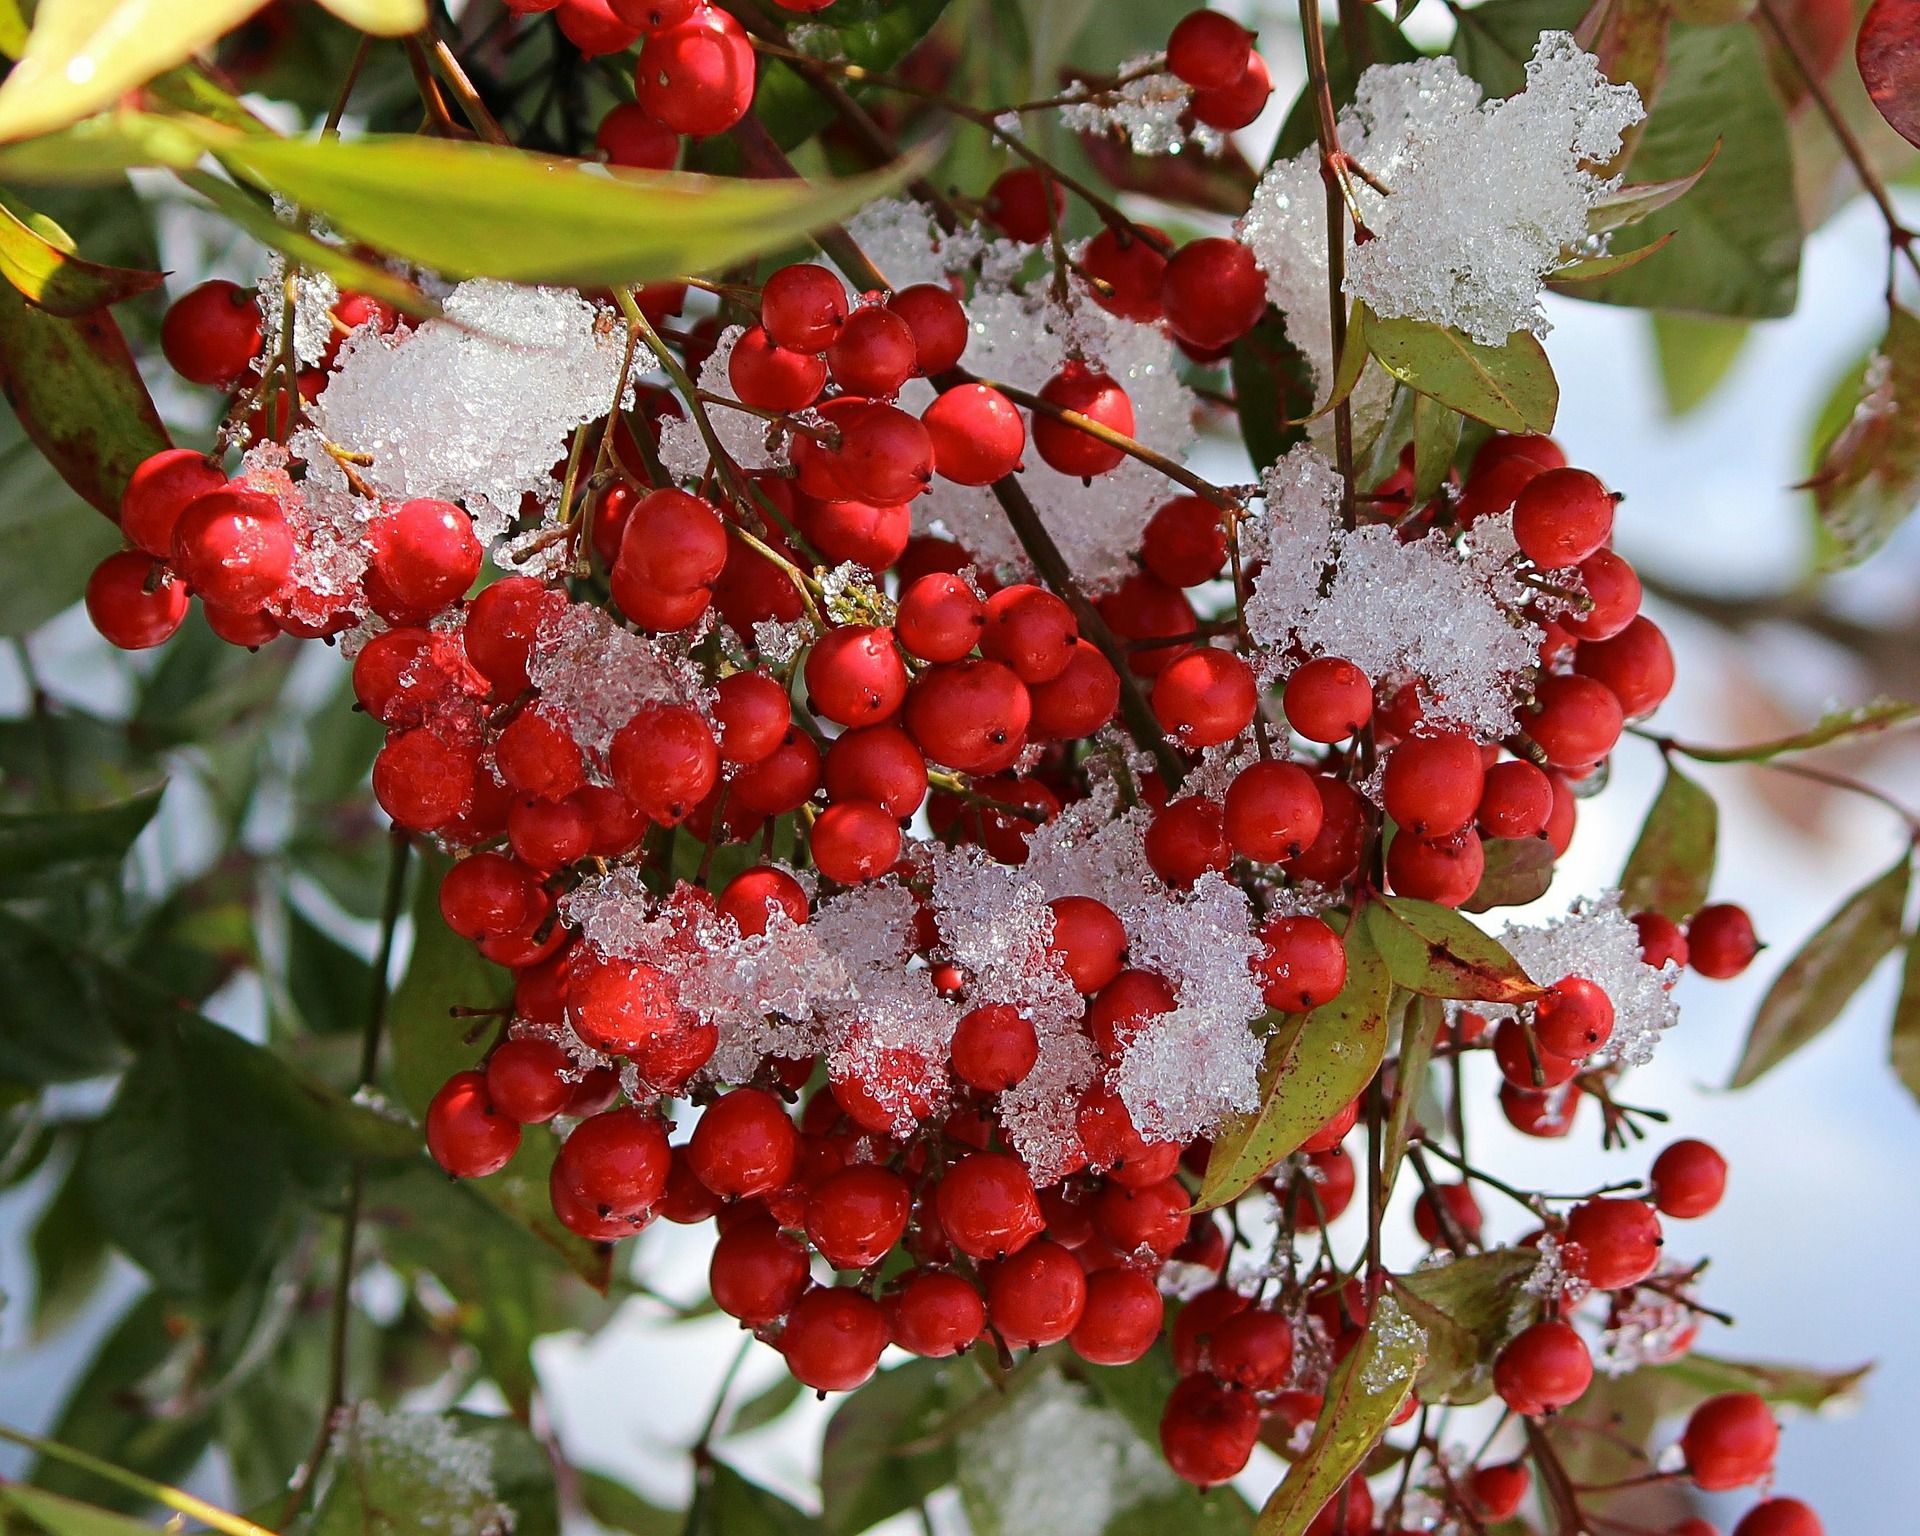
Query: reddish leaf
<point x="1869" y="476"/>
<point x="39" y="260"/>
<point x="1671" y="866"/>
<point x="1889" y="57"/>
<point x="1519" y="870"/>
<point x="1436" y="952"/>
<point x="74" y="386"/>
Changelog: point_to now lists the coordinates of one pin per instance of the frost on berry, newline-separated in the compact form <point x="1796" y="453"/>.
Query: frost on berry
<point x="1596" y="940"/>
<point x="778" y="643"/>
<point x="1057" y="1461"/>
<point x="1150" y="113"/>
<point x="746" y="439"/>
<point x="1441" y="613"/>
<point x="1023" y="337"/>
<point x="595" y="675"/>
<point x="444" y="1475"/>
<point x="1647" y="1327"/>
<point x="1484" y="197"/>
<point x="329" y="527"/>
<point x="1550" y="1280"/>
<point x="476" y="407"/>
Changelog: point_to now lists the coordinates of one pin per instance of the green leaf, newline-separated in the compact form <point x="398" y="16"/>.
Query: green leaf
<point x="1467" y="1307"/>
<point x="1419" y="1029"/>
<point x="1791" y="1386"/>
<point x="1436" y="438"/>
<point x="1671" y="867"/>
<point x="619" y="1508"/>
<point x="1836" y="725"/>
<point x="383" y="18"/>
<point x="1510" y="386"/>
<point x="1436" y="952"/>
<point x="59" y="1516"/>
<point x="74" y="386"/>
<point x="1518" y="870"/>
<point x="1361" y="1400"/>
<point x="1316" y="1064"/>
<point x="1868" y="481"/>
<point x="1635" y="202"/>
<point x="1695" y="353"/>
<point x="65" y="1009"/>
<point x="1736" y="247"/>
<point x="1904" y="1045"/>
<point x="765" y="1406"/>
<point x="1831" y="966"/>
<point x="120" y="1408"/>
<point x="44" y="844"/>
<point x="397" y="1473"/>
<point x="50" y="541"/>
<point x="326" y="985"/>
<point x="1274" y="388"/>
<point x="1589" y="269"/>
<point x="39" y="260"/>
<point x="83" y="54"/>
<point x="69" y="1256"/>
<point x="1493" y="42"/>
<point x="726" y="1504"/>
<point x="890" y="1444"/>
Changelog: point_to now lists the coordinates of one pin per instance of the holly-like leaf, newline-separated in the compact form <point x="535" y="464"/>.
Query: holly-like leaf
<point x="50" y="541"/>
<point x="1868" y="481"/>
<point x="1518" y="870"/>
<point x="1510" y="386"/>
<point x="1737" y="232"/>
<point x="1316" y="1063"/>
<point x="1671" y="867"/>
<point x="1831" y="966"/>
<point x="1904" y="1044"/>
<point x="1467" y="1308"/>
<point x="1436" y="952"/>
<point x="39" y="260"/>
<point x="1888" y="53"/>
<point x="83" y="54"/>
<point x="58" y="845"/>
<point x="73" y="384"/>
<point x="69" y="1257"/>
<point x="726" y="1504"/>
<point x="1361" y="1400"/>
<point x="65" y="1008"/>
<point x="1848" y="724"/>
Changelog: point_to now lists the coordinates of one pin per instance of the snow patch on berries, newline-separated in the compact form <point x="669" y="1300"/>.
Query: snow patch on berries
<point x="1550" y="1280"/>
<point x="778" y="643"/>
<point x="1057" y="1461"/>
<point x="746" y="439"/>
<point x="314" y="295"/>
<point x="595" y="676"/>
<point x="1443" y="614"/>
<point x="475" y="407"/>
<point x="446" y="1474"/>
<point x="996" y="926"/>
<point x="1598" y="941"/>
<point x="1150" y="113"/>
<point x="329" y="527"/>
<point x="1485" y="197"/>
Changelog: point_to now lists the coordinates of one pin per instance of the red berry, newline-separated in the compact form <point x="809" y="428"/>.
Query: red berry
<point x="1205" y="697"/>
<point x="783" y="780"/>
<point x="423" y="781"/>
<point x="1145" y="608"/>
<point x="970" y="715"/>
<point x="1462" y="1215"/>
<point x="1214" y="293"/>
<point x="993" y="1047"/>
<point x="674" y="542"/>
<point x="1730" y="1441"/>
<point x="986" y="1205"/>
<point x="753" y="896"/>
<point x="1095" y="396"/>
<point x="1328" y="699"/>
<point x="526" y="1081"/>
<point x="933" y="1314"/>
<point x="1088" y="940"/>
<point x="1121" y="1319"/>
<point x="212" y="333"/>
<point x="1301" y="965"/>
<point x="122" y="608"/>
<point x="1084" y="697"/>
<point x="1721" y="942"/>
<point x="486" y="894"/>
<point x="1235" y="106"/>
<point x="1780" y="1517"/>
<point x="467" y="1135"/>
<point x="745" y="1144"/>
<point x="938" y="322"/>
<point x="856" y="1215"/>
<point x="1544" y="1369"/>
<point x="1636" y="665"/>
<point x="616" y="1161"/>
<point x="665" y="761"/>
<point x="1574" y="1019"/>
<point x="1209" y="50"/>
<point x="501" y="625"/>
<point x="233" y="548"/>
<point x="536" y="755"/>
<point x="1272" y="811"/>
<point x="874" y="354"/>
<point x="1185" y="543"/>
<point x="1613" y="589"/>
<point x="629" y="136"/>
<point x="697" y="76"/>
<point x="853" y="841"/>
<point x="1186" y="840"/>
<point x="940" y="618"/>
<point x="1688" y="1179"/>
<point x="773" y="377"/>
<point x="803" y="306"/>
<point x="885" y="456"/>
<point x="1207" y="1430"/>
<point x="1575" y="720"/>
<point x="1132" y="267"/>
<point x="1152" y="1219"/>
<point x="757" y="1272"/>
<point x="1432" y="784"/>
<point x="1446" y="870"/>
<point x="617" y="1005"/>
<point x="833" y="1339"/>
<point x="1621" y="1239"/>
<point x="753" y="714"/>
<point x="1498" y="1490"/>
<point x="1253" y="1349"/>
<point x="1516" y="800"/>
<point x="1561" y="517"/>
<point x="1026" y="204"/>
<point x="158" y="492"/>
<point x="1662" y="940"/>
<point x="1037" y="1295"/>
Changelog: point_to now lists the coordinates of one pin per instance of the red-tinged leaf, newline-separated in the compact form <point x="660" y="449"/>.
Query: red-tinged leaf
<point x="1904" y="1046"/>
<point x="1361" y="1400"/>
<point x="1316" y="1063"/>
<point x="1869" y="476"/>
<point x="74" y="386"/>
<point x="1671" y="866"/>
<point x="1831" y="966"/>
<point x="1519" y="870"/>
<point x="1466" y="1306"/>
<point x="1838" y="725"/>
<point x="39" y="260"/>
<point x="1436" y="952"/>
<point x="1630" y="204"/>
<point x="1791" y="1386"/>
<point x="1590" y="269"/>
<point x="1888" y="53"/>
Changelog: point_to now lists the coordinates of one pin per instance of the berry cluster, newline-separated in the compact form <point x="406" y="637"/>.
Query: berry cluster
<point x="922" y="919"/>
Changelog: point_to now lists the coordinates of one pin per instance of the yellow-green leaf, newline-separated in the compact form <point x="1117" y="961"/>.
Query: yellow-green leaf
<point x="1630" y="204"/>
<point x="1904" y="1046"/>
<point x="1362" y="1398"/>
<point x="1466" y="1306"/>
<point x="1510" y="386"/>
<point x="83" y="54"/>
<point x="1671" y="867"/>
<point x="47" y="273"/>
<point x="1436" y="438"/>
<point x="1590" y="269"/>
<point x="1821" y="979"/>
<point x="1316" y="1063"/>
<point x="1419" y="1029"/>
<point x="60" y="1516"/>
<point x="384" y="18"/>
<point x="1433" y="950"/>
<point x="1353" y="362"/>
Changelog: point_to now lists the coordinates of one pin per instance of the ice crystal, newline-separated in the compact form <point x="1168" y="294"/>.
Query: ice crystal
<point x="1444" y="615"/>
<point x="1057" y="1461"/>
<point x="1550" y="1280"/>
<point x="424" y="1463"/>
<point x="1398" y="1346"/>
<point x="1649" y="1328"/>
<point x="594" y="675"/>
<point x="779" y="643"/>
<point x="1484" y="197"/>
<point x="752" y="443"/>
<point x="329" y="527"/>
<point x="314" y="296"/>
<point x="1150" y="113"/>
<point x="475" y="407"/>
<point x="1596" y="940"/>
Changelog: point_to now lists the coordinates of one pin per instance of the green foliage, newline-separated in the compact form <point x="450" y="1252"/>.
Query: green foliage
<point x="1671" y="866"/>
<point x="1868" y="480"/>
<point x="1510" y="386"/>
<point x="1435" y="952"/>
<point x="1695" y="354"/>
